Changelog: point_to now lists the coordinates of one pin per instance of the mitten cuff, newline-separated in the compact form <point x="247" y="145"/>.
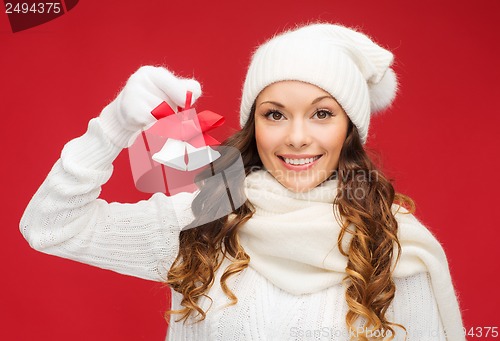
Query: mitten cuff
<point x="118" y="132"/>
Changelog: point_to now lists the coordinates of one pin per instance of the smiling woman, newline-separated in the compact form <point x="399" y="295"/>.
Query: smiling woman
<point x="300" y="130"/>
<point x="321" y="242"/>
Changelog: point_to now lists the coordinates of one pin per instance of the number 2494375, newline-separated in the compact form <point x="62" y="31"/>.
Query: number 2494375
<point x="39" y="7"/>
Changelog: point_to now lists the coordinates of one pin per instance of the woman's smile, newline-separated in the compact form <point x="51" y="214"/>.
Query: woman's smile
<point x="299" y="162"/>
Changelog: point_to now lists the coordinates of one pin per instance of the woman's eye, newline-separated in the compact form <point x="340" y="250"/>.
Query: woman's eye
<point x="274" y="115"/>
<point x="323" y="114"/>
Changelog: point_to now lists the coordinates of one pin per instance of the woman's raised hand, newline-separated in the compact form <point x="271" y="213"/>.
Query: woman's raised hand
<point x="124" y="117"/>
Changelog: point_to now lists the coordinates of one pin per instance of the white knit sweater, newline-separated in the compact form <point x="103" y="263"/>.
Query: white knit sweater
<point x="66" y="218"/>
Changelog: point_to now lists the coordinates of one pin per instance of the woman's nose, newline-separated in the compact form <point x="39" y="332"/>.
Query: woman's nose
<point x="297" y="134"/>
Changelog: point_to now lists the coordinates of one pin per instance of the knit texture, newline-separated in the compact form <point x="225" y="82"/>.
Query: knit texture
<point x="66" y="218"/>
<point x="292" y="240"/>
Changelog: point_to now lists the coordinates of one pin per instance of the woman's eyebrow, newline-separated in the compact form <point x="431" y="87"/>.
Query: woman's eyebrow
<point x="272" y="102"/>
<point x="282" y="106"/>
<point x="320" y="98"/>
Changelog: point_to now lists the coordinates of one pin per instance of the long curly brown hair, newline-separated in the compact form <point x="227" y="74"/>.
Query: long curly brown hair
<point x="374" y="243"/>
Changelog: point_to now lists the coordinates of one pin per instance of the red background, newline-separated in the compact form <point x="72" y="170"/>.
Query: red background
<point x="439" y="141"/>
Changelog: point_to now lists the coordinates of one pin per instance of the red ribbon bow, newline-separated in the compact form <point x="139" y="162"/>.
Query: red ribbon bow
<point x="186" y="125"/>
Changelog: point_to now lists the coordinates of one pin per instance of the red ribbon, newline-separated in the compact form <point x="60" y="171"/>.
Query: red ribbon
<point x="186" y="125"/>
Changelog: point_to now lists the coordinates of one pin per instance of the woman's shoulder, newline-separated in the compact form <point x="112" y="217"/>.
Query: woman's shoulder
<point x="409" y="224"/>
<point x="420" y="249"/>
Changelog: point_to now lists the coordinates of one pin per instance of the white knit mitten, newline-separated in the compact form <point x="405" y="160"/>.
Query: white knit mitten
<point x="123" y="119"/>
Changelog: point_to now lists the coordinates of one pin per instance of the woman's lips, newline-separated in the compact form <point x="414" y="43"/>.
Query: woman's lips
<point x="297" y="157"/>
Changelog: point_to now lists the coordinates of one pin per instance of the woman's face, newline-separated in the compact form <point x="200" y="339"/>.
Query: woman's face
<point x="299" y="130"/>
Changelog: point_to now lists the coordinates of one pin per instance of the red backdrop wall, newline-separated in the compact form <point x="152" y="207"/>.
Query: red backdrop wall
<point x="439" y="140"/>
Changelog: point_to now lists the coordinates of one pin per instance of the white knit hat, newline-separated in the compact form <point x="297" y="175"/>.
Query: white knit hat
<point x="343" y="62"/>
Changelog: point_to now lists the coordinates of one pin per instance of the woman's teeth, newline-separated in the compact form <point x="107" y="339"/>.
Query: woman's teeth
<point x="301" y="161"/>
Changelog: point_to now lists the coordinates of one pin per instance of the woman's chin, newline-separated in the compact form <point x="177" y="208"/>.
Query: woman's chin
<point x="299" y="186"/>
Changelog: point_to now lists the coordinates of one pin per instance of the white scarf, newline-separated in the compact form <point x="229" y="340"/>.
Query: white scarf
<point x="292" y="241"/>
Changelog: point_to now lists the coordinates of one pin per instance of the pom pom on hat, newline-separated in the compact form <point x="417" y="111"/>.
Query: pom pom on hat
<point x="345" y="63"/>
<point x="383" y="93"/>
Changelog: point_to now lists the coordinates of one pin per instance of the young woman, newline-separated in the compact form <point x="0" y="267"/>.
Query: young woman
<point x="322" y="248"/>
